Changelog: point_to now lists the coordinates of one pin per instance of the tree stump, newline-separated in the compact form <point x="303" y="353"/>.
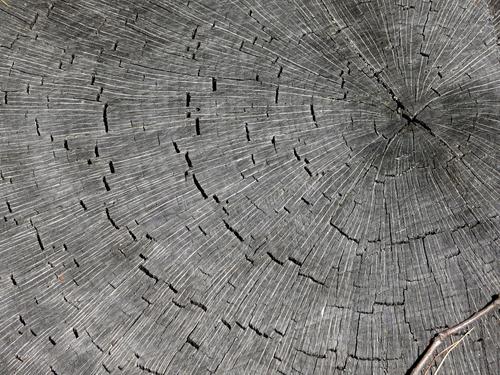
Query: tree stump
<point x="247" y="186"/>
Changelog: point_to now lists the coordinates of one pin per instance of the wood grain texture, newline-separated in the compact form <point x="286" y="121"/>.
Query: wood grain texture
<point x="247" y="186"/>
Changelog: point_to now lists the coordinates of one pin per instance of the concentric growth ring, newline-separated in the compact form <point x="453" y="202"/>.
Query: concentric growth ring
<point x="247" y="186"/>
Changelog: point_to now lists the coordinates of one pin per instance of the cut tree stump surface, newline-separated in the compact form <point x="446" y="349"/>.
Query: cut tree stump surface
<point x="247" y="186"/>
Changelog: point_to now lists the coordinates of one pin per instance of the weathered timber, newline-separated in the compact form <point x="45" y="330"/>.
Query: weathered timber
<point x="249" y="186"/>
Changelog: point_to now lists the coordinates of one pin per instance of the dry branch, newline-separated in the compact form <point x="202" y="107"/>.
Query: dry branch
<point x="427" y="356"/>
<point x="448" y="350"/>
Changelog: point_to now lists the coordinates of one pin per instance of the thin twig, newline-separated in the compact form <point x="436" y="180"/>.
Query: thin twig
<point x="445" y="350"/>
<point x="451" y="347"/>
<point x="440" y="337"/>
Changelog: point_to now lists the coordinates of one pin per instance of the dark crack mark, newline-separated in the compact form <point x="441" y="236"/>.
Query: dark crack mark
<point x="105" y="117"/>
<point x="148" y="273"/>
<point x="198" y="186"/>
<point x="233" y="231"/>
<point x="344" y="233"/>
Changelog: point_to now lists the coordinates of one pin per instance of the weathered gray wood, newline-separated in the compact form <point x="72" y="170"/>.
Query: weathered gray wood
<point x="247" y="186"/>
